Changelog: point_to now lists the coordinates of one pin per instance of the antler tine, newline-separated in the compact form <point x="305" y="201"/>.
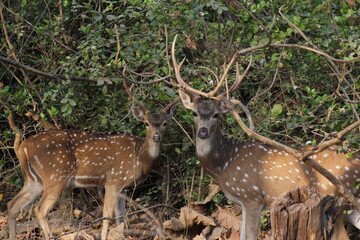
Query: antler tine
<point x="177" y="67"/>
<point x="239" y="77"/>
<point x="130" y="94"/>
<point x="174" y="102"/>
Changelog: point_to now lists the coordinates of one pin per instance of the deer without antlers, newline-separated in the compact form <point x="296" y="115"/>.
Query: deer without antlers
<point x="56" y="159"/>
<point x="253" y="174"/>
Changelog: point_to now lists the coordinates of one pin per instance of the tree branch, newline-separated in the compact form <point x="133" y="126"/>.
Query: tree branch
<point x="45" y="74"/>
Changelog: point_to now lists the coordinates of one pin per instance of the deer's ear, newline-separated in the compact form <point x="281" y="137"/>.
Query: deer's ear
<point x="138" y="114"/>
<point x="186" y="100"/>
<point x="222" y="107"/>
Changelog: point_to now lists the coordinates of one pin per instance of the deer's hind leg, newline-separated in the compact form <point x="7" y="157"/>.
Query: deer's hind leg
<point x="353" y="218"/>
<point x="28" y="193"/>
<point x="47" y="201"/>
<point x="120" y="208"/>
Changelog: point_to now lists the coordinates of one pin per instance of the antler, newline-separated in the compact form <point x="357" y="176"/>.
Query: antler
<point x="239" y="77"/>
<point x="212" y="93"/>
<point x="167" y="107"/>
<point x="143" y="108"/>
<point x="177" y="67"/>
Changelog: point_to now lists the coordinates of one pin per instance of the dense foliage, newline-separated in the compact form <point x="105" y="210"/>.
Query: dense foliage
<point x="292" y="93"/>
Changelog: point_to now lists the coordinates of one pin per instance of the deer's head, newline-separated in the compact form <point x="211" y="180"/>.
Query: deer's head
<point x="155" y="122"/>
<point x="205" y="112"/>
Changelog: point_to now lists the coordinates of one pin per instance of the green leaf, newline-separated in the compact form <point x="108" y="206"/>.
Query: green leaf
<point x="85" y="29"/>
<point x="276" y="110"/>
<point x="100" y="81"/>
<point x="177" y="150"/>
<point x="98" y="17"/>
<point x="72" y="102"/>
<point x="105" y="90"/>
<point x="110" y="17"/>
<point x="64" y="108"/>
<point x="53" y="111"/>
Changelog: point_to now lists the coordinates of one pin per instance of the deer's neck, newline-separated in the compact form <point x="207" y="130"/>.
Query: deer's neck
<point x="214" y="151"/>
<point x="148" y="152"/>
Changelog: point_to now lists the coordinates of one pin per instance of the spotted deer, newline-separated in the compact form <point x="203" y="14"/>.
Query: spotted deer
<point x="253" y="174"/>
<point x="56" y="159"/>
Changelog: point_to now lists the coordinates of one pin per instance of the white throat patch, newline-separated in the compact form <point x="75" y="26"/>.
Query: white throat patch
<point x="154" y="150"/>
<point x="203" y="147"/>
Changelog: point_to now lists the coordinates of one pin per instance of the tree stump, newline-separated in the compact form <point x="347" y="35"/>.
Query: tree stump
<point x="302" y="214"/>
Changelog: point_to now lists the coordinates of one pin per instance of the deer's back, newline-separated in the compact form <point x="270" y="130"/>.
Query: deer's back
<point x="82" y="158"/>
<point x="257" y="172"/>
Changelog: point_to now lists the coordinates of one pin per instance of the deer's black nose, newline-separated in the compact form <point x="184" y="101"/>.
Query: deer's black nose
<point x="203" y="133"/>
<point x="156" y="137"/>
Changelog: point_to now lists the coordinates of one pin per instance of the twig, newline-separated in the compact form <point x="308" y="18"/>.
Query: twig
<point x="340" y="75"/>
<point x="183" y="129"/>
<point x="118" y="44"/>
<point x="246" y="111"/>
<point x="13" y="55"/>
<point x="167" y="48"/>
<point x="146" y="210"/>
<point x="212" y="72"/>
<point x="272" y="82"/>
<point x="315" y="51"/>
<point x="142" y="232"/>
<point x="296" y="28"/>
<point x="159" y="228"/>
<point x="45" y="74"/>
<point x="147" y="75"/>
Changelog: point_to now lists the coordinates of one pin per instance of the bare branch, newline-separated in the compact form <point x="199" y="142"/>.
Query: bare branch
<point x="212" y="72"/>
<point x="296" y="28"/>
<point x="148" y="75"/>
<point x="315" y="51"/>
<point x="246" y="111"/>
<point x="44" y="74"/>
<point x="128" y="91"/>
<point x="117" y="44"/>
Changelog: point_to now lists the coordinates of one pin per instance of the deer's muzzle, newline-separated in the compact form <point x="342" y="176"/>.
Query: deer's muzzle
<point x="203" y="133"/>
<point x="156" y="137"/>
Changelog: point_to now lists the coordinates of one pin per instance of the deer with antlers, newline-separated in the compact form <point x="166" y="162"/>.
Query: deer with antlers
<point x="56" y="159"/>
<point x="253" y="174"/>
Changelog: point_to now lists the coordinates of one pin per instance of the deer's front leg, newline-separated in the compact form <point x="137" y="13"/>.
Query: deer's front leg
<point x="251" y="215"/>
<point x="110" y="201"/>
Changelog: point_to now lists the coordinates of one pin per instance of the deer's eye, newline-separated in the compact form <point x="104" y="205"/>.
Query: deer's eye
<point x="216" y="115"/>
<point x="195" y="114"/>
<point x="146" y="124"/>
<point x="164" y="124"/>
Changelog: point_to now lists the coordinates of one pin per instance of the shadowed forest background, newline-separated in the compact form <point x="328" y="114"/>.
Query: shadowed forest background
<point x="302" y="88"/>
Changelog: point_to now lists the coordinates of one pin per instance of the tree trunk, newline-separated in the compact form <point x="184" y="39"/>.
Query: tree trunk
<point x="302" y="214"/>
